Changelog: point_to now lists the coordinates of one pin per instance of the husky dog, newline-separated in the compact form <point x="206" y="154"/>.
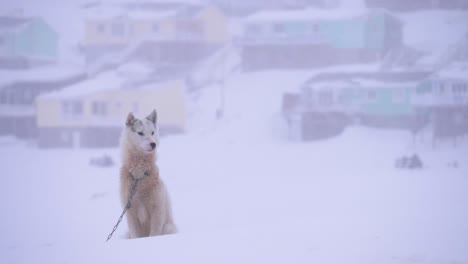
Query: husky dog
<point x="150" y="213"/>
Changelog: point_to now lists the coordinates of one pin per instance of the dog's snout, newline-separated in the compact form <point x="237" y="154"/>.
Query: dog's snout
<point x="153" y="145"/>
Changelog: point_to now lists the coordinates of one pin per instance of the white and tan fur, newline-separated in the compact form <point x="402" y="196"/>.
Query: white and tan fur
<point x="150" y="213"/>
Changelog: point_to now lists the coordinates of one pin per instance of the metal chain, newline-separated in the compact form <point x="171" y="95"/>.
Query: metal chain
<point x="129" y="203"/>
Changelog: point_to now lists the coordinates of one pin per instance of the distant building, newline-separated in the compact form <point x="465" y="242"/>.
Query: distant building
<point x="242" y="8"/>
<point x="404" y="5"/>
<point x="329" y="101"/>
<point x="317" y="38"/>
<point x="92" y="113"/>
<point x="382" y="99"/>
<point x="172" y="35"/>
<point x="444" y="96"/>
<point x="25" y="41"/>
<point x="18" y="91"/>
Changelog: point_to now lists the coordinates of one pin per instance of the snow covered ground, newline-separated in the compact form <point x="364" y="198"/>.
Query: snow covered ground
<point x="451" y="28"/>
<point x="242" y="193"/>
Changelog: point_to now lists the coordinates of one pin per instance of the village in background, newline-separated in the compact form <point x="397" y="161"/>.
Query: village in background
<point x="292" y="131"/>
<point x="70" y="73"/>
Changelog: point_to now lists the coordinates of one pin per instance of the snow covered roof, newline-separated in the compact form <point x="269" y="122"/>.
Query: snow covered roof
<point x="134" y="68"/>
<point x="381" y="84"/>
<point x="146" y="9"/>
<point x="134" y="75"/>
<point x="103" y="82"/>
<point x="115" y="12"/>
<point x="148" y="14"/>
<point x="305" y="14"/>
<point x="454" y="73"/>
<point x="40" y="74"/>
<point x="161" y="2"/>
<point x="332" y="84"/>
<point x="359" y="82"/>
<point x="353" y="4"/>
<point x="13" y="23"/>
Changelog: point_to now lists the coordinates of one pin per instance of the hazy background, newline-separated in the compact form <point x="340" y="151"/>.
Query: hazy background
<point x="291" y="131"/>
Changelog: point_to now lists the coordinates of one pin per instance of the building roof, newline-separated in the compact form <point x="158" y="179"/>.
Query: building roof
<point x="13" y="23"/>
<point x="39" y="74"/>
<point x="305" y="14"/>
<point x="103" y="82"/>
<point x="160" y="4"/>
<point x="117" y="12"/>
<point x="332" y="84"/>
<point x="127" y="76"/>
<point x="141" y="10"/>
<point x="361" y="83"/>
<point x="381" y="84"/>
<point x="454" y="73"/>
<point x="370" y="73"/>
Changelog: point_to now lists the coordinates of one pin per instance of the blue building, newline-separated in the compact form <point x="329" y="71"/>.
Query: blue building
<point x="25" y="41"/>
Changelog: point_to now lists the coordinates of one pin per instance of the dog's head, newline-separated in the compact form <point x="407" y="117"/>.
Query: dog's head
<point x="143" y="134"/>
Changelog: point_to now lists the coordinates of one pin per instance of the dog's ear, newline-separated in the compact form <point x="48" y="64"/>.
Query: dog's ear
<point x="153" y="117"/>
<point x="130" y="120"/>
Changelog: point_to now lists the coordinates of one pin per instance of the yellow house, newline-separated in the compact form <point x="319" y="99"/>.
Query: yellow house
<point x="92" y="113"/>
<point x="200" y="28"/>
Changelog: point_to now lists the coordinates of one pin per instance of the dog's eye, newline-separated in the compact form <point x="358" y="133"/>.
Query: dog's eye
<point x="152" y="133"/>
<point x="140" y="133"/>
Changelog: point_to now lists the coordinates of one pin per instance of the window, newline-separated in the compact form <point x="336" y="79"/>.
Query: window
<point x="14" y="98"/>
<point x="325" y="98"/>
<point x="459" y="88"/>
<point x="72" y="109"/>
<point x="155" y="27"/>
<point x="423" y="89"/>
<point x="28" y="97"/>
<point x="101" y="28"/>
<point x="64" y="136"/>
<point x="441" y="88"/>
<point x="344" y="96"/>
<point x="189" y="26"/>
<point x="458" y="118"/>
<point x="373" y="27"/>
<point x="297" y="28"/>
<point x="371" y="95"/>
<point x="279" y="28"/>
<point x="99" y="108"/>
<point x="95" y="108"/>
<point x="254" y="29"/>
<point x="455" y="88"/>
<point x="399" y="95"/>
<point x="3" y="97"/>
<point x="315" y="28"/>
<point x="118" y="29"/>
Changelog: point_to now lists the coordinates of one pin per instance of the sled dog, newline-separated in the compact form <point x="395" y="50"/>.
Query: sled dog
<point x="150" y="213"/>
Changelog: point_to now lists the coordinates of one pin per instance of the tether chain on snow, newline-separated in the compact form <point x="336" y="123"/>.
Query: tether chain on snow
<point x="129" y="203"/>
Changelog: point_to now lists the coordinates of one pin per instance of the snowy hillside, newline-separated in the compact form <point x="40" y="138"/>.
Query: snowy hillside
<point x="241" y="191"/>
<point x="243" y="194"/>
<point x="434" y="32"/>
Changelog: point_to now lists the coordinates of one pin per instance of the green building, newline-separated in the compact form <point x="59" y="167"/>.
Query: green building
<point x="26" y="40"/>
<point x="311" y="37"/>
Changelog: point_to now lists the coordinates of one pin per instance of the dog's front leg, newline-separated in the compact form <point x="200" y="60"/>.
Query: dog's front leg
<point x="157" y="221"/>
<point x="135" y="229"/>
